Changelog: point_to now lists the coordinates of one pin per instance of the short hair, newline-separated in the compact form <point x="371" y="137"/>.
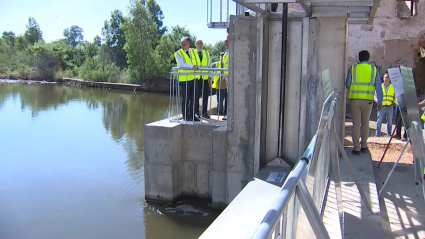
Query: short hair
<point x="185" y="39"/>
<point x="199" y="40"/>
<point x="364" y="55"/>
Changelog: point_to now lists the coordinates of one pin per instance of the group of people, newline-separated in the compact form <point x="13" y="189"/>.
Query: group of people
<point x="365" y="86"/>
<point x="195" y="83"/>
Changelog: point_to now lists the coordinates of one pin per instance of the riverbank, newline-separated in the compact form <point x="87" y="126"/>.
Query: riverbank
<point x="158" y="84"/>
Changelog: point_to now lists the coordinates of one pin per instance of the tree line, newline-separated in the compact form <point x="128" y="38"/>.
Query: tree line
<point x="131" y="48"/>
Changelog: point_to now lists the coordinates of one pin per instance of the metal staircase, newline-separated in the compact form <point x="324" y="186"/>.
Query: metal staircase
<point x="356" y="11"/>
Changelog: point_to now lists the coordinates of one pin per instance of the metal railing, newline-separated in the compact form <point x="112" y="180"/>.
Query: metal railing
<point x="308" y="183"/>
<point x="198" y="97"/>
<point x="416" y="141"/>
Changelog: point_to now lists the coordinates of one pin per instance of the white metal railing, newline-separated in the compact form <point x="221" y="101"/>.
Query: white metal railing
<point x="195" y="100"/>
<point x="308" y="183"/>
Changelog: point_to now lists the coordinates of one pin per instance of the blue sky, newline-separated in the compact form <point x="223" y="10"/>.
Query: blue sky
<point x="54" y="16"/>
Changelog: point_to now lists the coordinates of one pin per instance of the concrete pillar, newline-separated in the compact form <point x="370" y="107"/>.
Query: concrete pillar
<point x="162" y="161"/>
<point x="242" y="104"/>
<point x="327" y="49"/>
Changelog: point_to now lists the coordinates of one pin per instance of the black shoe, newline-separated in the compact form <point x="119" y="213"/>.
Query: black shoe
<point x="397" y="137"/>
<point x="206" y="116"/>
<point x="196" y="118"/>
<point x="355" y="152"/>
<point x="363" y="149"/>
<point x="225" y="117"/>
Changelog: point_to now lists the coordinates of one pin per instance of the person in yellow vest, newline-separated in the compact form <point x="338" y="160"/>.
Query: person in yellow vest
<point x="388" y="102"/>
<point x="203" y="81"/>
<point x="220" y="84"/>
<point x="362" y="81"/>
<point x="226" y="65"/>
<point x="186" y="57"/>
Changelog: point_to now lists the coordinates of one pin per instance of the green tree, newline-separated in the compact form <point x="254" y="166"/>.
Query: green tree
<point x="215" y="50"/>
<point x="157" y="16"/>
<point x="33" y="33"/>
<point x="73" y="35"/>
<point x="114" y="37"/>
<point x="9" y="38"/>
<point x="97" y="41"/>
<point x="141" y="37"/>
<point x="170" y="43"/>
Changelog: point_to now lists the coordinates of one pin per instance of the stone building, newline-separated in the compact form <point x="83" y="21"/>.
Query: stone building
<point x="394" y="38"/>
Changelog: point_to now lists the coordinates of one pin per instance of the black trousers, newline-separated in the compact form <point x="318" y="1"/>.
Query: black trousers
<point x="204" y="92"/>
<point x="187" y="93"/>
<point x="399" y="124"/>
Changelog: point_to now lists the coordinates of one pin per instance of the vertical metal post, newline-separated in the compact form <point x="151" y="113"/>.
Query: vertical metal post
<point x="283" y="77"/>
<point x="392" y="170"/>
<point x="211" y="7"/>
<point x="336" y="175"/>
<point x="353" y="173"/>
<point x="221" y="10"/>
<point x="228" y="13"/>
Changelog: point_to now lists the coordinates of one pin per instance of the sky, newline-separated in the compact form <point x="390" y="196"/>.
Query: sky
<point x="53" y="16"/>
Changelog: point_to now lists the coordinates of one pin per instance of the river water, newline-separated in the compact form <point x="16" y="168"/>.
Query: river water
<point x="71" y="166"/>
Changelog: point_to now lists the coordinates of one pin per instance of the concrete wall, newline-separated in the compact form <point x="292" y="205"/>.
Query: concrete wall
<point x="391" y="41"/>
<point x="326" y="49"/>
<point x="242" y="104"/>
<point x="178" y="160"/>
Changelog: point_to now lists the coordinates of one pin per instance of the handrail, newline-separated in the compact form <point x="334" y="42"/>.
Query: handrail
<point x="272" y="218"/>
<point x="173" y="69"/>
<point x="276" y="210"/>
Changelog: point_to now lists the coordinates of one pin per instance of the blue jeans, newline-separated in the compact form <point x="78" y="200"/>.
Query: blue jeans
<point x="385" y="113"/>
<point x="222" y="98"/>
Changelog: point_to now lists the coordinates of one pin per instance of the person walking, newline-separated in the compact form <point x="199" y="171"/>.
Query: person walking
<point x="386" y="113"/>
<point x="187" y="57"/>
<point x="203" y="81"/>
<point x="362" y="81"/>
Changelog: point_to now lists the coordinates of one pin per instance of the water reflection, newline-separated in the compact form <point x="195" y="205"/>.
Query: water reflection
<point x="124" y="113"/>
<point x="61" y="175"/>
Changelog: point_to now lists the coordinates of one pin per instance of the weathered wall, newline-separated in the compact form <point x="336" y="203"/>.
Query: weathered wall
<point x="391" y="41"/>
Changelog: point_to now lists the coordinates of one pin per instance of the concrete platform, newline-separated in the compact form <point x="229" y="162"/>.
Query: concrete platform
<point x="402" y="210"/>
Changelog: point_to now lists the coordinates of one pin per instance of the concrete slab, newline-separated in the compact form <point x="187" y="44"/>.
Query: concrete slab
<point x="248" y="209"/>
<point x="402" y="210"/>
<point x="359" y="221"/>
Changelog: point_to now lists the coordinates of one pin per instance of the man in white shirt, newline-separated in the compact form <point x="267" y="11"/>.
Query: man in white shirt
<point x="186" y="57"/>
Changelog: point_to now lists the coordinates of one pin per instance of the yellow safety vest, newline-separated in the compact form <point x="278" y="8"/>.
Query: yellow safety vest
<point x="188" y="60"/>
<point x="226" y="62"/>
<point x="388" y="96"/>
<point x="363" y="77"/>
<point x="423" y="116"/>
<point x="206" y="62"/>
<point x="217" y="82"/>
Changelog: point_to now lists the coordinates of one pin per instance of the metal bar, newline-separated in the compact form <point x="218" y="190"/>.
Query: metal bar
<point x="392" y="170"/>
<point x="211" y="7"/>
<point x="337" y="177"/>
<point x="228" y="13"/>
<point x="373" y="10"/>
<point x="306" y="8"/>
<point x="353" y="173"/>
<point x="283" y="79"/>
<point x="221" y="10"/>
<point x="267" y="225"/>
<point x="342" y="4"/>
<point x="311" y="211"/>
<point x="389" y="142"/>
